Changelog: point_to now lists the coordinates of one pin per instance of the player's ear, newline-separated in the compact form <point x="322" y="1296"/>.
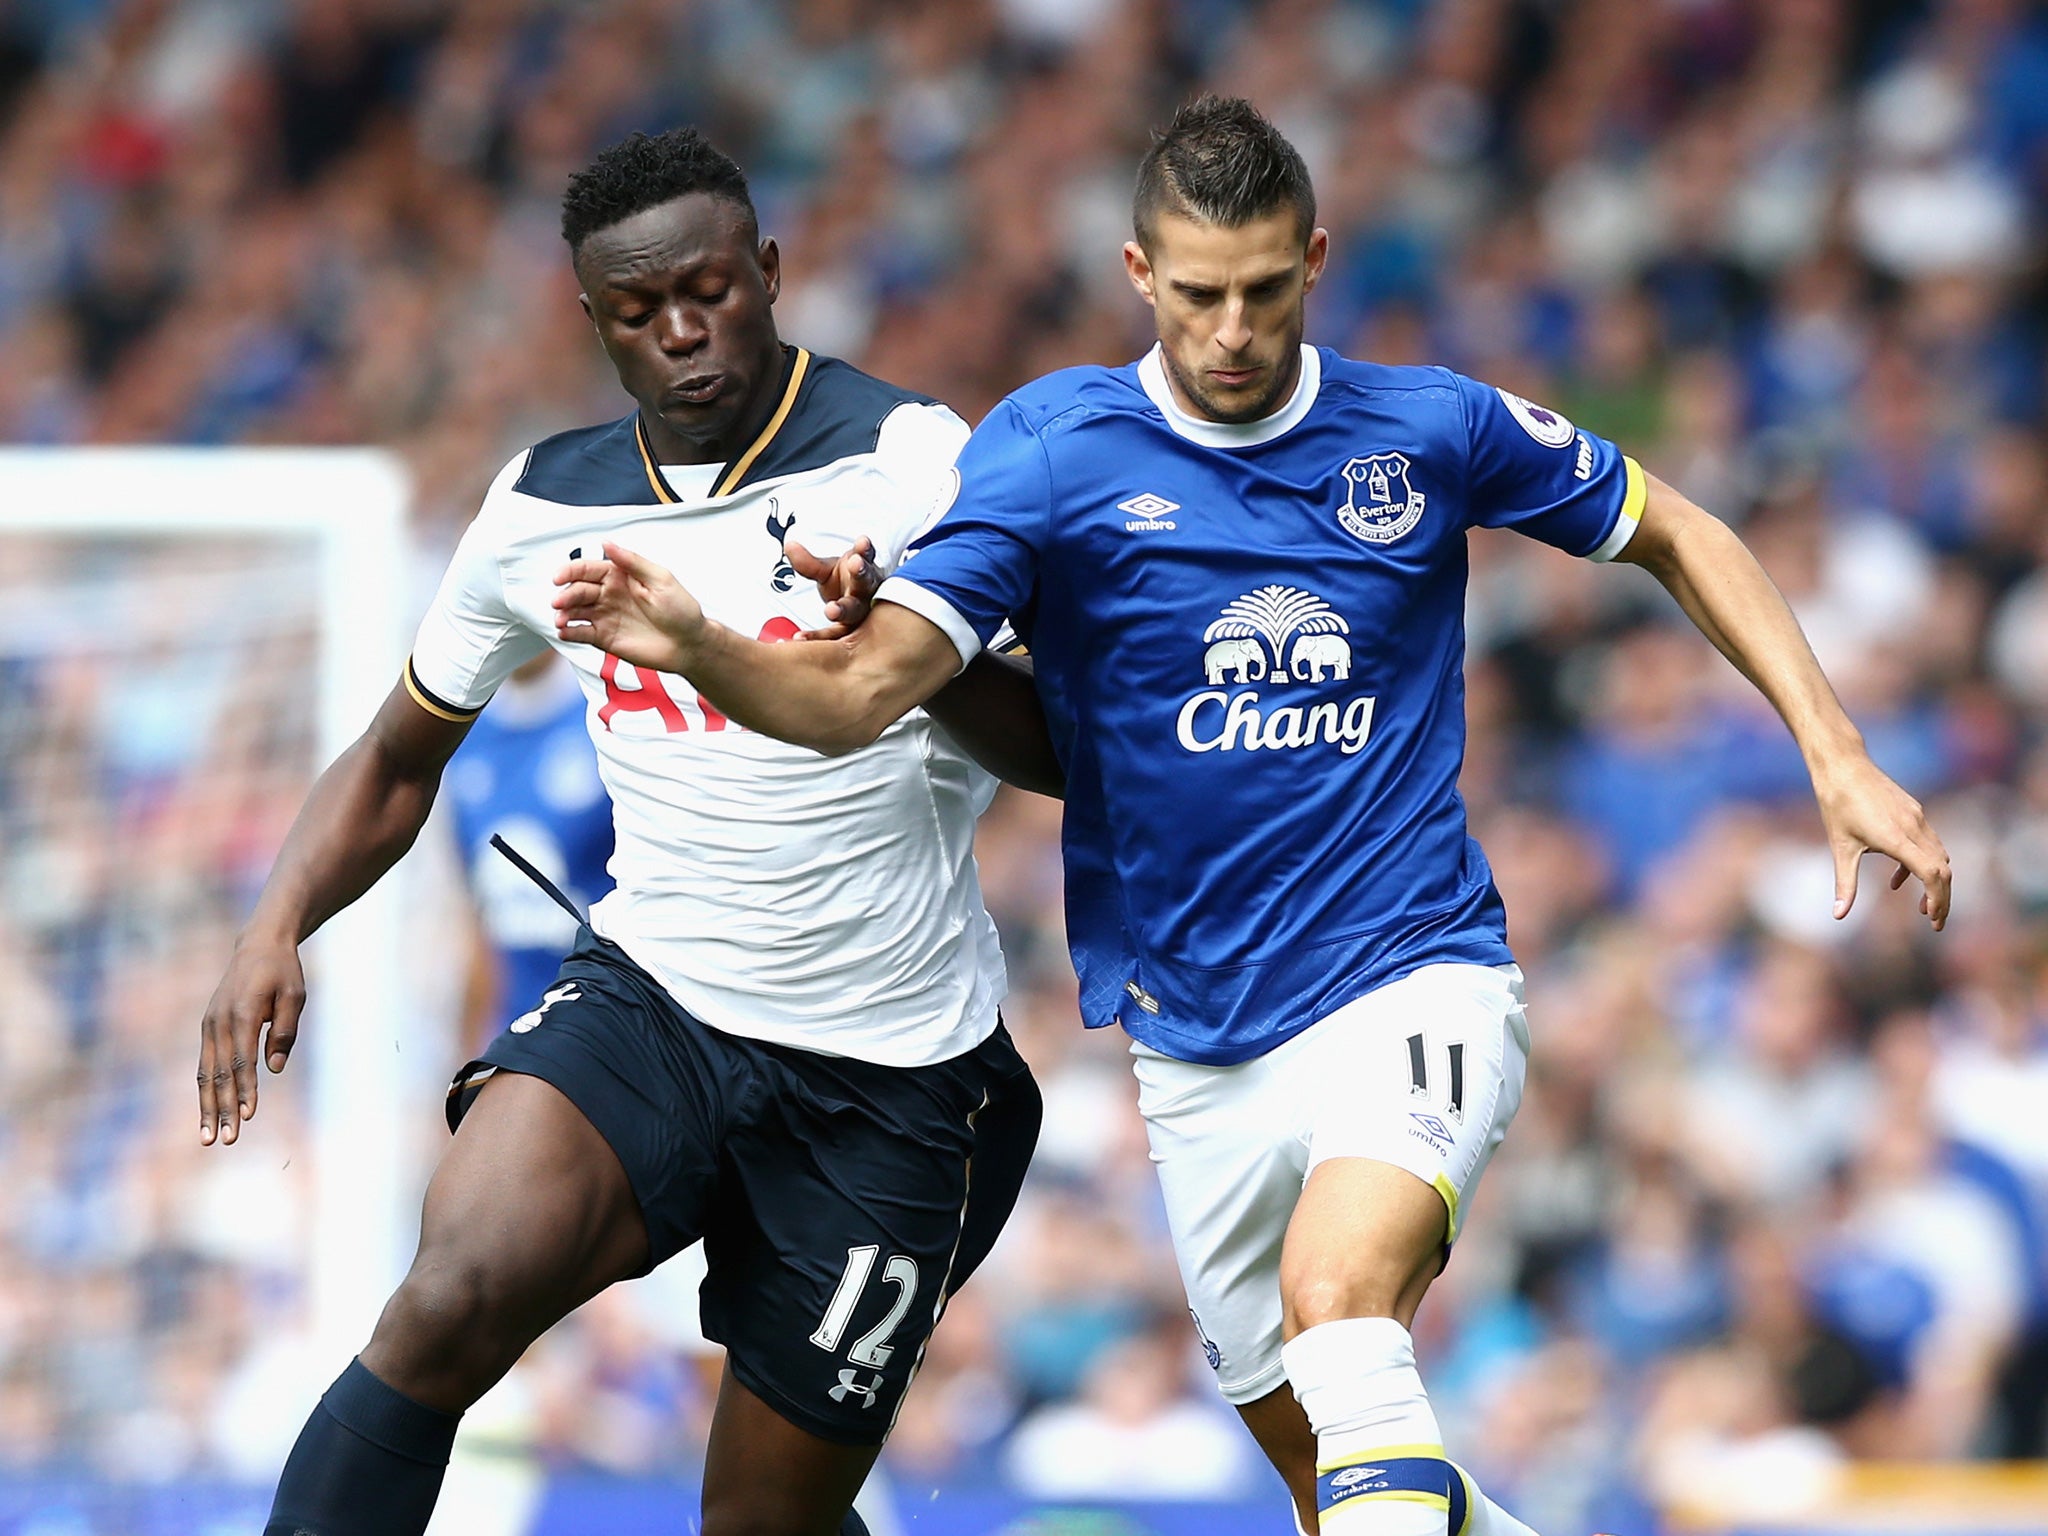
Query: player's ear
<point x="770" y="257"/>
<point x="588" y="313"/>
<point x="1317" y="254"/>
<point x="1138" y="267"/>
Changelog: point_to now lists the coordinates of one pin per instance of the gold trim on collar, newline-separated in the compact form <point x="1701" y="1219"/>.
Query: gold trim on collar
<point x="661" y="491"/>
<point x="729" y="481"/>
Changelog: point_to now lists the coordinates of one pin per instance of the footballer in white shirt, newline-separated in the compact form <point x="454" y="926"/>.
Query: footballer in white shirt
<point x="779" y="1033"/>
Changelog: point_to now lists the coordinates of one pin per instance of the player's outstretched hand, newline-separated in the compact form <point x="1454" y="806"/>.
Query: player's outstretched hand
<point x="847" y="584"/>
<point x="629" y="606"/>
<point x="264" y="985"/>
<point x="1865" y="812"/>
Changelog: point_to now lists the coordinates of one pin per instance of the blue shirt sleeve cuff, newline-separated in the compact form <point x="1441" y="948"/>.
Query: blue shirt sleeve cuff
<point x="927" y="604"/>
<point x="1631" y="516"/>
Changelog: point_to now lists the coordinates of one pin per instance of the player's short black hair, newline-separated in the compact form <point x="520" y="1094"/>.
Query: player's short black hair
<point x="1222" y="161"/>
<point x="644" y="171"/>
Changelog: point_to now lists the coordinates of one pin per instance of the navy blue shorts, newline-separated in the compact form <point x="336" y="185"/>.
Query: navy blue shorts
<point x="840" y="1202"/>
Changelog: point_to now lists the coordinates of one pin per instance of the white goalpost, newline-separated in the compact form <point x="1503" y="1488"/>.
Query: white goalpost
<point x="198" y="549"/>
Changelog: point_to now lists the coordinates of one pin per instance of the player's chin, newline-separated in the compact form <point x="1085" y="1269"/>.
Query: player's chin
<point x="1250" y="401"/>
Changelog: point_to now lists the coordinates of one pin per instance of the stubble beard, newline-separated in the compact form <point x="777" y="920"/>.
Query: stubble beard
<point x="1281" y="382"/>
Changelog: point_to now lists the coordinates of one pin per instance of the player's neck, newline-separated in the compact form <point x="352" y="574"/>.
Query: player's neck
<point x="672" y="447"/>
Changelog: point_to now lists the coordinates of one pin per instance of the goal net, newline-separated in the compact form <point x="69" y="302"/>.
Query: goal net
<point x="189" y="635"/>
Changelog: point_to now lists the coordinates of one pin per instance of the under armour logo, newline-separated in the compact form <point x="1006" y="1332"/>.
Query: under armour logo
<point x="850" y="1386"/>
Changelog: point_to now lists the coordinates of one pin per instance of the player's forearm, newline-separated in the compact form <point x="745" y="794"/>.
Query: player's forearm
<point x="832" y="696"/>
<point x="1733" y="602"/>
<point x="361" y="816"/>
<point x="992" y="711"/>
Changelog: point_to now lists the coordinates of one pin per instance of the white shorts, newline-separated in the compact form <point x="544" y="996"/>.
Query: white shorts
<point x="1424" y="1073"/>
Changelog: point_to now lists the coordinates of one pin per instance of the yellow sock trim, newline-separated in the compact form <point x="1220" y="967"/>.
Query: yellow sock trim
<point x="1382" y="1453"/>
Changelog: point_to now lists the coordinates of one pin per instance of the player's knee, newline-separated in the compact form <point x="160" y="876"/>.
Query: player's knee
<point x="1320" y="1299"/>
<point x="452" y="1317"/>
<point x="1327" y="1288"/>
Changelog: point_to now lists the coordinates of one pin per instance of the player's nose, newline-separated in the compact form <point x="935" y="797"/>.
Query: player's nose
<point x="681" y="331"/>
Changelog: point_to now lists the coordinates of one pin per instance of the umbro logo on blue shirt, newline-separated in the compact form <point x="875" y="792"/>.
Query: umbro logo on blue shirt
<point x="1148" y="513"/>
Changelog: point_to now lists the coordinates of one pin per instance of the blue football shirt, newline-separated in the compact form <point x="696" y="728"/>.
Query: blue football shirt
<point x="1249" y="642"/>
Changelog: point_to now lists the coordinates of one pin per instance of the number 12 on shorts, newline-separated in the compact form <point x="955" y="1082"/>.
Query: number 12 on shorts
<point x="872" y="1348"/>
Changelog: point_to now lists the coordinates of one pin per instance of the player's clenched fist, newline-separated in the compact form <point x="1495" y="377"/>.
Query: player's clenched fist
<point x="264" y="985"/>
<point x="629" y="606"/>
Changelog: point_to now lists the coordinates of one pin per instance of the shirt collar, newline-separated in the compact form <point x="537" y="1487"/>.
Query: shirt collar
<point x="1232" y="434"/>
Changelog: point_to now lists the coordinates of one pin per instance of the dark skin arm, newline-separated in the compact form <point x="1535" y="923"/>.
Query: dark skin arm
<point x="362" y="815"/>
<point x="991" y="709"/>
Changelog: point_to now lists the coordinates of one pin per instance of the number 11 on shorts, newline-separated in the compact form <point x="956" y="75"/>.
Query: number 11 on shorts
<point x="872" y="1348"/>
<point x="1418" y="1074"/>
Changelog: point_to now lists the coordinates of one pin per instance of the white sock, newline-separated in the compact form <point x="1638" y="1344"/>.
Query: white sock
<point x="1380" y="1467"/>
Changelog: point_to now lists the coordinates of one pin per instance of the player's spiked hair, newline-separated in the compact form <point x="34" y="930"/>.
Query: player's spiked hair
<point x="1222" y="161"/>
<point x="644" y="171"/>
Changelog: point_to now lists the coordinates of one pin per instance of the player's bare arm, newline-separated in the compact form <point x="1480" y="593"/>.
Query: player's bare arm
<point x="991" y="709"/>
<point x="1723" y="590"/>
<point x="362" y="815"/>
<point x="833" y="696"/>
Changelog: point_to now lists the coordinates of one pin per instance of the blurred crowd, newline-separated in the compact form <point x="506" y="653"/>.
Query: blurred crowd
<point x="1776" y="1199"/>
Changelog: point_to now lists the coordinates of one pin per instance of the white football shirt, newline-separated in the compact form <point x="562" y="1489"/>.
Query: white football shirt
<point x="827" y="903"/>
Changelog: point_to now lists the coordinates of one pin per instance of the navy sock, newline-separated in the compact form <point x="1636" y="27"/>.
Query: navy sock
<point x="368" y="1463"/>
<point x="853" y="1525"/>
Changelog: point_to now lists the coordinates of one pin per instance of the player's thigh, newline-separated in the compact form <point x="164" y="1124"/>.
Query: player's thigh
<point x="530" y="1187"/>
<point x="1411" y="1089"/>
<point x="764" y="1476"/>
<point x="833" y="1243"/>
<point x="1230" y="1157"/>
<point x="659" y="1087"/>
<point x="587" y="1142"/>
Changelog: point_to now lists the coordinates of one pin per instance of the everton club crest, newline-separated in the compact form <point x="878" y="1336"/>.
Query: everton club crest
<point x="1379" y="503"/>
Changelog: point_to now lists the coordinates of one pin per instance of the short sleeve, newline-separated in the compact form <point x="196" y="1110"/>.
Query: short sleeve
<point x="470" y="641"/>
<point x="915" y="451"/>
<point x="978" y="563"/>
<point x="1533" y="471"/>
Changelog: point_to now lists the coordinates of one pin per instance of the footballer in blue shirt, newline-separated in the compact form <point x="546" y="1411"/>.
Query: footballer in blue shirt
<point x="1240" y="567"/>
